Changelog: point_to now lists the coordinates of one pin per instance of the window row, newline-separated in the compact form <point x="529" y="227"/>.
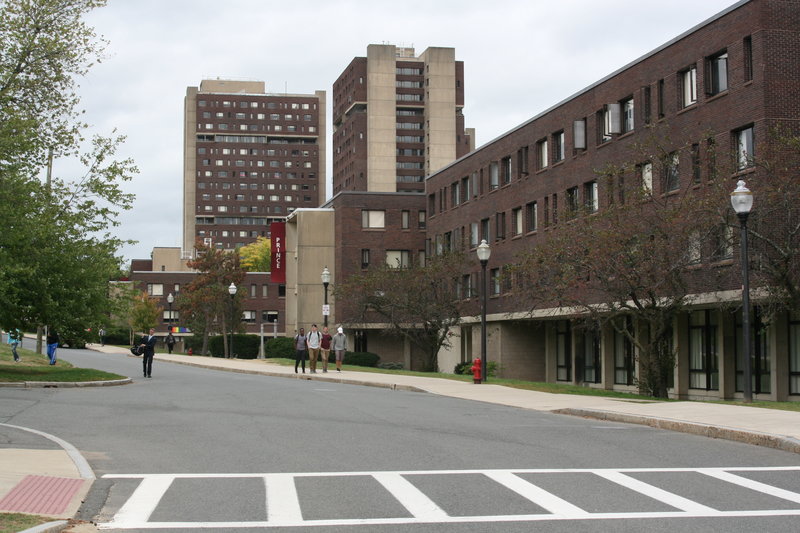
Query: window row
<point x="256" y="127"/>
<point x="376" y="219"/>
<point x="255" y="105"/>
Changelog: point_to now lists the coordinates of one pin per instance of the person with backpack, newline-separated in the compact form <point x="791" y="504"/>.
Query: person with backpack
<point x="313" y="339"/>
<point x="300" y="348"/>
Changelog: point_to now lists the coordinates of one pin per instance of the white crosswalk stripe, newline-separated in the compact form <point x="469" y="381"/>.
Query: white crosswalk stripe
<point x="284" y="503"/>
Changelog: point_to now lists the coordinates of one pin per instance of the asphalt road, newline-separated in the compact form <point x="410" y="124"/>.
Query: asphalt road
<point x="195" y="448"/>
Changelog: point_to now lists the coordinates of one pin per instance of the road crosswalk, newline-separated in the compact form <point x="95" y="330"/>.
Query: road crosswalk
<point x="427" y="497"/>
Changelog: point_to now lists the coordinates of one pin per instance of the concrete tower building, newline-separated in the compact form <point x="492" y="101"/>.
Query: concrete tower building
<point x="397" y="118"/>
<point x="250" y="158"/>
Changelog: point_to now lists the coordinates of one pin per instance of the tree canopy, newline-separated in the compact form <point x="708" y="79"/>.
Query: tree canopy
<point x="57" y="252"/>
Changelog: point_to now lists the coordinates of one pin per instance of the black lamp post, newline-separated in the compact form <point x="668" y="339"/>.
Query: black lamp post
<point x="232" y="292"/>
<point x="326" y="279"/>
<point x="170" y="299"/>
<point x="742" y="202"/>
<point x="484" y="252"/>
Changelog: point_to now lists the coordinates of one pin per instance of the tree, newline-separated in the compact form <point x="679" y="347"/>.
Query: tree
<point x="205" y="303"/>
<point x="56" y="251"/>
<point x="631" y="264"/>
<point x="255" y="257"/>
<point x="145" y="313"/>
<point x="417" y="303"/>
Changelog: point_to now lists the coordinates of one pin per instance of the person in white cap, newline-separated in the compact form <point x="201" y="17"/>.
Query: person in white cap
<point x="339" y="345"/>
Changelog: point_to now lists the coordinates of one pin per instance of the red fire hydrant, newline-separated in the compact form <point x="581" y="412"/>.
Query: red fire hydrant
<point x="189" y="352"/>
<point x="476" y="371"/>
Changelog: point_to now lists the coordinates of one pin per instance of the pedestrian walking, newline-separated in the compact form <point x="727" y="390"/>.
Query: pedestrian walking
<point x="325" y="348"/>
<point x="339" y="344"/>
<point x="52" y="344"/>
<point x="14" y="339"/>
<point x="102" y="334"/>
<point x="170" y="342"/>
<point x="313" y="340"/>
<point x="148" y="348"/>
<point x="300" y="349"/>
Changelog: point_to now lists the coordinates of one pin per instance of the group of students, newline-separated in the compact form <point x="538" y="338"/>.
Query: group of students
<point x="318" y="344"/>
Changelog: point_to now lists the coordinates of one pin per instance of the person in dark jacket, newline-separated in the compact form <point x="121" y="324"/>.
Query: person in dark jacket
<point x="148" y="349"/>
<point x="52" y="344"/>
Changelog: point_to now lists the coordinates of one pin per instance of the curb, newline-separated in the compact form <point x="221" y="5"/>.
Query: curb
<point x="50" y="527"/>
<point x="778" y="442"/>
<point x="65" y="384"/>
<point x="307" y="377"/>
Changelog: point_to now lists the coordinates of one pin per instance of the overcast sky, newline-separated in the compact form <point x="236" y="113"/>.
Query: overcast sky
<point x="520" y="57"/>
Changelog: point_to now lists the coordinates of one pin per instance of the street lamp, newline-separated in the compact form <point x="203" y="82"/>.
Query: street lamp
<point x="326" y="279"/>
<point x="232" y="292"/>
<point x="484" y="252"/>
<point x="742" y="202"/>
<point x="170" y="299"/>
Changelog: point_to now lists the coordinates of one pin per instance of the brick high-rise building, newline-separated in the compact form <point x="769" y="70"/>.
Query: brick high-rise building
<point x="397" y="118"/>
<point x="250" y="158"/>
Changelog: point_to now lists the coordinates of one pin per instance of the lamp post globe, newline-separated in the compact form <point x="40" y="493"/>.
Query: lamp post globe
<point x="484" y="253"/>
<point x="170" y="299"/>
<point x="742" y="203"/>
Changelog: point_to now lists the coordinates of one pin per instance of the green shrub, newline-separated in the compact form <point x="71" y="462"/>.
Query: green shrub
<point x="282" y="347"/>
<point x="463" y="368"/>
<point x="391" y="366"/>
<point x="117" y="335"/>
<point x="244" y="346"/>
<point x="361" y="358"/>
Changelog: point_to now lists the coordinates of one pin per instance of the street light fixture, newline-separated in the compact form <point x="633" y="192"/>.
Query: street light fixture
<point x="742" y="202"/>
<point x="326" y="279"/>
<point x="484" y="252"/>
<point x="170" y="299"/>
<point x="232" y="292"/>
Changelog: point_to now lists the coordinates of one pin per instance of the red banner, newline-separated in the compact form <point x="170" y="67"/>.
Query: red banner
<point x="277" y="232"/>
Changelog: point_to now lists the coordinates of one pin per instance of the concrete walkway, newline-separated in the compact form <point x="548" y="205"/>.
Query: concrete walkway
<point x="23" y="472"/>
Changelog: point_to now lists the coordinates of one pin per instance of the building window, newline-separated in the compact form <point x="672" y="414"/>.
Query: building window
<point x="516" y="221"/>
<point x="696" y="173"/>
<point x="703" y="368"/>
<point x="646" y="177"/>
<point x="474" y="240"/>
<point x="563" y="351"/>
<point x="671" y="172"/>
<point x="660" y="102"/>
<point x="485" y="230"/>
<point x="506" y="170"/>
<point x="794" y="354"/>
<point x="717" y="73"/>
<point x="500" y="226"/>
<point x="421" y="219"/>
<point x="572" y="202"/>
<point x="455" y="194"/>
<point x="249" y="317"/>
<point x="744" y="148"/>
<point x="759" y="356"/>
<point x="542" y="158"/>
<point x="170" y="316"/>
<point x="494" y="281"/>
<point x="623" y="358"/>
<point x="404" y="219"/>
<point x="723" y="242"/>
<point x="747" y="50"/>
<point x="522" y="161"/>
<point x="494" y="175"/>
<point x="398" y="258"/>
<point x="688" y="79"/>
<point x="558" y="147"/>
<point x="466" y="286"/>
<point x="372" y="219"/>
<point x="590" y="201"/>
<point x="627" y="115"/>
<point x="264" y="290"/>
<point x="647" y="101"/>
<point x="364" y="258"/>
<point x="531" y="214"/>
<point x="155" y="289"/>
<point x="592" y="369"/>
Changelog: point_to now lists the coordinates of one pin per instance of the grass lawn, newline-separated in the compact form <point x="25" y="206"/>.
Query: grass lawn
<point x="35" y="367"/>
<point x="13" y="522"/>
